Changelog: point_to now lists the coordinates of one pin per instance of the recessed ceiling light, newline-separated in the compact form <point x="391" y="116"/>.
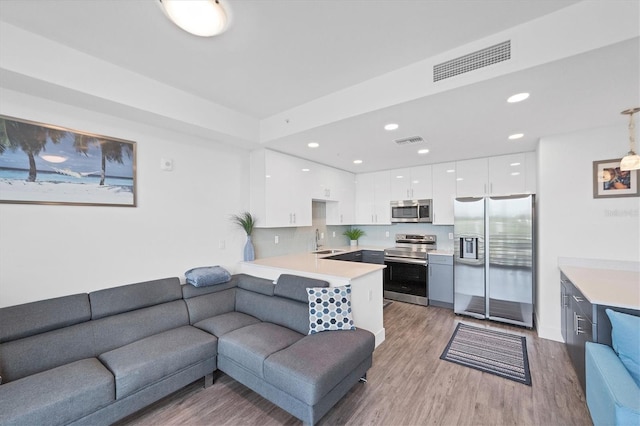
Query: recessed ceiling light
<point x="451" y="171"/>
<point x="313" y="144"/>
<point x="514" y="164"/>
<point x="305" y="170"/>
<point x="515" y="173"/>
<point x="519" y="97"/>
<point x="391" y="126"/>
<point x="357" y="161"/>
<point x="459" y="179"/>
<point x="516" y="136"/>
<point x="423" y="151"/>
<point x="399" y="177"/>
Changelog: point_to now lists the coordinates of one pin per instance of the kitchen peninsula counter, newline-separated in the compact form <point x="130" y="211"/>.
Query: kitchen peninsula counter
<point x="365" y="280"/>
<point x="606" y="283"/>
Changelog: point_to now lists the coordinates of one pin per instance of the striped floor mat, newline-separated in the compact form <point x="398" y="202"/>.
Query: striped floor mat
<point x="494" y="352"/>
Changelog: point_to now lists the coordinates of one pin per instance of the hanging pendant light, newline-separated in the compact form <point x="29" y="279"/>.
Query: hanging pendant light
<point x="632" y="160"/>
<point x="204" y="18"/>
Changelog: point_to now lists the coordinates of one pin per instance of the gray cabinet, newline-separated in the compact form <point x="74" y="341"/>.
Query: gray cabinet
<point x="441" y="280"/>
<point x="582" y="322"/>
<point x="365" y="256"/>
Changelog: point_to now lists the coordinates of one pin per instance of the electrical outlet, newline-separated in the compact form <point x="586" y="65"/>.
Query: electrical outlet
<point x="386" y="234"/>
<point x="221" y="244"/>
<point x="322" y="235"/>
<point x="334" y="234"/>
<point x="451" y="235"/>
<point x="370" y="295"/>
<point x="276" y="240"/>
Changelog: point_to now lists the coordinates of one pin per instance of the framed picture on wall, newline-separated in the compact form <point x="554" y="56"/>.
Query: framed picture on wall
<point x="609" y="181"/>
<point x="46" y="164"/>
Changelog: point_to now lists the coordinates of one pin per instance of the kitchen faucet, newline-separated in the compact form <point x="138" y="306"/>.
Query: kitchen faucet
<point x="317" y="239"/>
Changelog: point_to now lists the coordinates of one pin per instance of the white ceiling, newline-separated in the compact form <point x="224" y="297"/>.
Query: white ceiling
<point x="279" y="54"/>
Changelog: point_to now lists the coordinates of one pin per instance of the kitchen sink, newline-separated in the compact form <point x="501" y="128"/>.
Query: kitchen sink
<point x="327" y="251"/>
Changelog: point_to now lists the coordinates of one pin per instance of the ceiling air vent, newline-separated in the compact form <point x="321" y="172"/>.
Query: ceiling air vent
<point x="473" y="61"/>
<point x="408" y="141"/>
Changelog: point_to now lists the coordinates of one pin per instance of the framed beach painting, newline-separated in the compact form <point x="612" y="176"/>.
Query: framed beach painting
<point x="609" y="181"/>
<point x="45" y="164"/>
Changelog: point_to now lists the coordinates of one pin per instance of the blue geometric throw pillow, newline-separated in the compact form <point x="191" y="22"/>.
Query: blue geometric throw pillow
<point x="330" y="309"/>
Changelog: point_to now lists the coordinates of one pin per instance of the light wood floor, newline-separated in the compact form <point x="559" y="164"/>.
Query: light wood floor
<point x="407" y="385"/>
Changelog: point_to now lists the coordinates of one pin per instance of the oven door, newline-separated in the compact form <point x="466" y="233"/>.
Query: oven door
<point x="406" y="280"/>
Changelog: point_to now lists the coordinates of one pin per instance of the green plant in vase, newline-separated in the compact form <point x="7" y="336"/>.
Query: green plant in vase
<point x="246" y="221"/>
<point x="353" y="234"/>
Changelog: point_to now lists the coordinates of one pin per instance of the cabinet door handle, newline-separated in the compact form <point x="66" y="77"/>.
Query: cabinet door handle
<point x="577" y="298"/>
<point x="340" y="218"/>
<point x="491" y="188"/>
<point x="576" y="323"/>
<point x="290" y="218"/>
<point x="294" y="218"/>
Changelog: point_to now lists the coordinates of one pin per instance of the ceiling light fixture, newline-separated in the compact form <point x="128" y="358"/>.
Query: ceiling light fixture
<point x="391" y="126"/>
<point x="632" y="160"/>
<point x="423" y="151"/>
<point x="357" y="161"/>
<point x="516" y="136"/>
<point x="518" y="97"/>
<point x="204" y="18"/>
<point x="313" y="144"/>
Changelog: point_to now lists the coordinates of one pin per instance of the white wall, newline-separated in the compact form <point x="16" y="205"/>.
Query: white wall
<point x="571" y="223"/>
<point x="182" y="215"/>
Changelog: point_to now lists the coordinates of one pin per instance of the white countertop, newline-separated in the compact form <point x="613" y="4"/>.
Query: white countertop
<point x="316" y="264"/>
<point x="610" y="287"/>
<point x="441" y="252"/>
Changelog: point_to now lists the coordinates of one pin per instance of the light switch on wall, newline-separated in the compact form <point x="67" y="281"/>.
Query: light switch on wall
<point x="276" y="240"/>
<point x="451" y="235"/>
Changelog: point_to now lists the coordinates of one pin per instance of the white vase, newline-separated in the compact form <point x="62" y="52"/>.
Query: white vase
<point x="354" y="243"/>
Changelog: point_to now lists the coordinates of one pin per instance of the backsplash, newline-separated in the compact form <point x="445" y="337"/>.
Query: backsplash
<point x="376" y="235"/>
<point x="303" y="239"/>
<point x="300" y="239"/>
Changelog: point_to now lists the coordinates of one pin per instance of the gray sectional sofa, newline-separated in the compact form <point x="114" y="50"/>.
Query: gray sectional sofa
<point x="98" y="357"/>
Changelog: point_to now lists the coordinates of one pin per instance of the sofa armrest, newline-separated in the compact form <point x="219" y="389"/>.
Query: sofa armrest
<point x="613" y="397"/>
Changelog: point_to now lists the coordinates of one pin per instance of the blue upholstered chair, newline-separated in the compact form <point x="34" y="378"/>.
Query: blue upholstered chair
<point x="613" y="374"/>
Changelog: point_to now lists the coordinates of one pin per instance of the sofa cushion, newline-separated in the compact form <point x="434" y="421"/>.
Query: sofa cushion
<point x="210" y="305"/>
<point x="256" y="284"/>
<point x="149" y="360"/>
<point x="126" y="298"/>
<point x="119" y="330"/>
<point x="294" y="287"/>
<point x="330" y="309"/>
<point x="57" y="396"/>
<point x="38" y="317"/>
<point x="278" y="310"/>
<point x="34" y="354"/>
<point x="225" y="323"/>
<point x="206" y="276"/>
<point x="625" y="338"/>
<point x="249" y="346"/>
<point x="311" y="367"/>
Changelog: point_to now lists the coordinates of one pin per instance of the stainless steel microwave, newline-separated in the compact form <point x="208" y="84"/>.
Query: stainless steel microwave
<point x="411" y="211"/>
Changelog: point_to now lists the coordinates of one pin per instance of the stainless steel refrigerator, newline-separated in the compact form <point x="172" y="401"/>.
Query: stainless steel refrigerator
<point x="494" y="258"/>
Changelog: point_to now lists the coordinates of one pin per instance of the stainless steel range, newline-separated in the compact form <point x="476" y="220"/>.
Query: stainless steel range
<point x="405" y="277"/>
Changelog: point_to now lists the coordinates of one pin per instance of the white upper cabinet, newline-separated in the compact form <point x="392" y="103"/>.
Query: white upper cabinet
<point x="472" y="177"/>
<point x="507" y="175"/>
<point x="342" y="202"/>
<point x="412" y="183"/>
<point x="279" y="193"/>
<point x="501" y="175"/>
<point x="444" y="193"/>
<point x="373" y="198"/>
<point x="282" y="188"/>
